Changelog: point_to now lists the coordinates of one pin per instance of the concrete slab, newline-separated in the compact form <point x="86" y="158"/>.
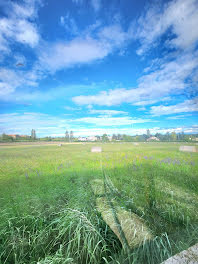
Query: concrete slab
<point x="96" y="149"/>
<point x="188" y="148"/>
<point x="189" y="256"/>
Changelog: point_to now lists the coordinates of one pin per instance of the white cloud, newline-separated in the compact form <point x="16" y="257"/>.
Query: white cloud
<point x="186" y="106"/>
<point x="28" y="95"/>
<point x="72" y="108"/>
<point x="150" y="102"/>
<point x="129" y="131"/>
<point x="141" y="108"/>
<point x="108" y="98"/>
<point x="19" y="25"/>
<point x="185" y="129"/>
<point x="5" y="89"/>
<point x="107" y="112"/>
<point x="111" y="121"/>
<point x="164" y="77"/>
<point x="178" y="16"/>
<point x="67" y="54"/>
<point x="3" y="44"/>
<point x="85" y="48"/>
<point x="25" y="33"/>
<point x="116" y="97"/>
<point x="178" y="117"/>
<point x="69" y="24"/>
<point x="26" y="10"/>
<point x="113" y="35"/>
<point x="172" y="77"/>
<point x="25" y="88"/>
<point x="23" y="123"/>
<point x="10" y="80"/>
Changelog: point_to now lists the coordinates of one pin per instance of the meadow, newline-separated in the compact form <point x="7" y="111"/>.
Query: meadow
<point x="48" y="207"/>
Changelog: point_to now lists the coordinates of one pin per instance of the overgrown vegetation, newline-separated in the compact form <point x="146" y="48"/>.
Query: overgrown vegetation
<point x="48" y="210"/>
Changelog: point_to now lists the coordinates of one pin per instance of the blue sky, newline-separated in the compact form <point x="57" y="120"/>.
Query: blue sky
<point x="98" y="66"/>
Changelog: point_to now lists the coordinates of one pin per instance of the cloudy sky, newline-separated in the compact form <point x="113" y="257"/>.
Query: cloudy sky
<point x="98" y="66"/>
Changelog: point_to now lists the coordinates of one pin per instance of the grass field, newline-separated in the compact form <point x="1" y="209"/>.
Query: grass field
<point x="48" y="208"/>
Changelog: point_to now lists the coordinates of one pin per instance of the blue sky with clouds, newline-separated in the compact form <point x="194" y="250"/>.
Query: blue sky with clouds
<point x="98" y="66"/>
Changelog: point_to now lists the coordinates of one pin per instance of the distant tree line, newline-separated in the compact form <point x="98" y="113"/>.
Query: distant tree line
<point x="9" y="138"/>
<point x="162" y="137"/>
<point x="69" y="137"/>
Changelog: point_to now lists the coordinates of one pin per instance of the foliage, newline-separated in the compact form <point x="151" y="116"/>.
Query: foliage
<point x="105" y="138"/>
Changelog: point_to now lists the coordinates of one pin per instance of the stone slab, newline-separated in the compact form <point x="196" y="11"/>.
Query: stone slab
<point x="188" y="148"/>
<point x="189" y="256"/>
<point x="96" y="149"/>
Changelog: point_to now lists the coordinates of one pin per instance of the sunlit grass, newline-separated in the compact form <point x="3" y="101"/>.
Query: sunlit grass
<point x="48" y="208"/>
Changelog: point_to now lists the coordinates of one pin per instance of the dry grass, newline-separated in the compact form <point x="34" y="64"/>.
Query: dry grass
<point x="135" y="230"/>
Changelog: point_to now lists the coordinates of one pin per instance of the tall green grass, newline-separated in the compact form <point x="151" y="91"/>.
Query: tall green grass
<point x="48" y="212"/>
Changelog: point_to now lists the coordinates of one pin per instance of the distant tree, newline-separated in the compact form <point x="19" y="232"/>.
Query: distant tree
<point x="71" y="136"/>
<point x="186" y="137"/>
<point x="114" y="137"/>
<point x="160" y="136"/>
<point x="173" y="136"/>
<point x="142" y="137"/>
<point x="98" y="138"/>
<point x="6" y="137"/>
<point x="47" y="138"/>
<point x="67" y="136"/>
<point x="148" y="133"/>
<point x="105" y="138"/>
<point x="182" y="136"/>
<point x="127" y="138"/>
<point x="119" y="137"/>
<point x="167" y="136"/>
<point x="33" y="134"/>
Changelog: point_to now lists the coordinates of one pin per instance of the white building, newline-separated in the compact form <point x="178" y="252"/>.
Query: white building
<point x="153" y="139"/>
<point x="91" y="138"/>
<point x="82" y="139"/>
